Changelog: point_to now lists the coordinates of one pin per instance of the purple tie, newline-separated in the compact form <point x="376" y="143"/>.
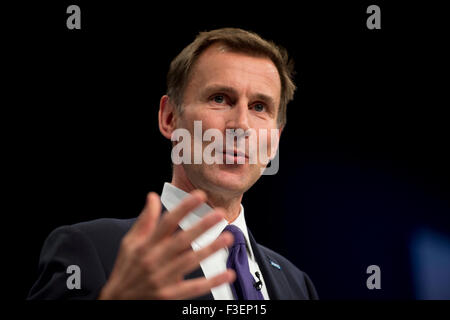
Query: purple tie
<point x="244" y="286"/>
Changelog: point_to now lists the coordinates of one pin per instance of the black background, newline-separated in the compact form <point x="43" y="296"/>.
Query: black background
<point x="363" y="158"/>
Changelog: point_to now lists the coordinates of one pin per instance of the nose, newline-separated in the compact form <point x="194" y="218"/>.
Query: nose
<point x="238" y="117"/>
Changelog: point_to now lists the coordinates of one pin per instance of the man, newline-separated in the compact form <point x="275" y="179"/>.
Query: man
<point x="229" y="80"/>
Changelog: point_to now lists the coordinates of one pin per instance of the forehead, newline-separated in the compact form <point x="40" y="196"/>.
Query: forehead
<point x="247" y="73"/>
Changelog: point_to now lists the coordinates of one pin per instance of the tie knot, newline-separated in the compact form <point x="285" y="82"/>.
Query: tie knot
<point x="237" y="234"/>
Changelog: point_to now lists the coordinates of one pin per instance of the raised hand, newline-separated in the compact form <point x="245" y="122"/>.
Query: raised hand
<point x="154" y="257"/>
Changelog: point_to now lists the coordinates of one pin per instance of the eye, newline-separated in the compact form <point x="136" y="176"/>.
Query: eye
<point x="259" y="107"/>
<point x="219" y="99"/>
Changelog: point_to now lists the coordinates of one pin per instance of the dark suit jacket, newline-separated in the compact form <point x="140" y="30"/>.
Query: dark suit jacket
<point x="94" y="245"/>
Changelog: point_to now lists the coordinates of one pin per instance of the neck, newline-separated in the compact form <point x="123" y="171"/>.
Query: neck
<point x="230" y="202"/>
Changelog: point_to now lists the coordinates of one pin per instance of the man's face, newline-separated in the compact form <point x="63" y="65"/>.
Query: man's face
<point x="229" y="90"/>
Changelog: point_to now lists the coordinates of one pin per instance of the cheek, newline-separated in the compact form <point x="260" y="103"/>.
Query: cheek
<point x="208" y="118"/>
<point x="212" y="121"/>
<point x="268" y="140"/>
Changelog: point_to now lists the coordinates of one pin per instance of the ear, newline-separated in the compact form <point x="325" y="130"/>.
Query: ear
<point x="166" y="117"/>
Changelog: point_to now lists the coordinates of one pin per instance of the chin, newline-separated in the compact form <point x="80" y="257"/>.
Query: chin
<point x="234" y="179"/>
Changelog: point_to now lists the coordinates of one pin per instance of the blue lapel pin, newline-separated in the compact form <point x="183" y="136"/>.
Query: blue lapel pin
<point x="276" y="265"/>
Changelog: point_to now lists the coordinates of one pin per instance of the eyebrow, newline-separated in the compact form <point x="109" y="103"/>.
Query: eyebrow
<point x="227" y="89"/>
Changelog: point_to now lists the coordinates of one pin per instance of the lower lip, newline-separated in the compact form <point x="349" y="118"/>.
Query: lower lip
<point x="232" y="159"/>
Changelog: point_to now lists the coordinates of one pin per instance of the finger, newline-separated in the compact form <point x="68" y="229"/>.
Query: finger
<point x="190" y="260"/>
<point x="147" y="220"/>
<point x="183" y="239"/>
<point x="189" y="289"/>
<point x="169" y="221"/>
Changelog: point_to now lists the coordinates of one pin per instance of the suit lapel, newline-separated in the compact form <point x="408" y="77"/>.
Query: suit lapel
<point x="274" y="278"/>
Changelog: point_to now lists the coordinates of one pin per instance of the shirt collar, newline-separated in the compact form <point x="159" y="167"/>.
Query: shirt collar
<point x="171" y="196"/>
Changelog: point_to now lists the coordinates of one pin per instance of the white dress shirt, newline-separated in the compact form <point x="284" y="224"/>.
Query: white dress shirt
<point x="216" y="263"/>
